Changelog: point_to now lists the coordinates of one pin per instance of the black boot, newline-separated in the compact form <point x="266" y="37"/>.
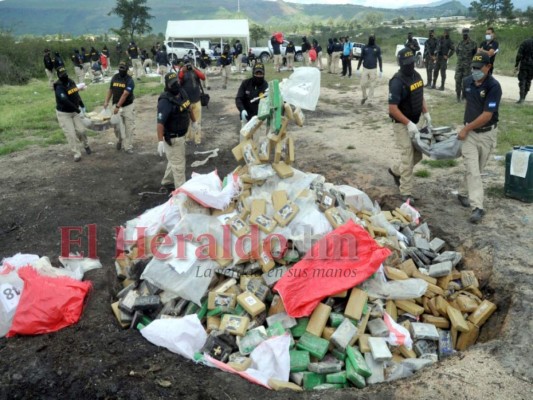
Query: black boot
<point x="441" y="86"/>
<point x="522" y="98"/>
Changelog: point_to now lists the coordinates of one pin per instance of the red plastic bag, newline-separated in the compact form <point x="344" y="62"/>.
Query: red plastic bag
<point x="339" y="261"/>
<point x="47" y="304"/>
<point x="279" y="37"/>
<point x="312" y="54"/>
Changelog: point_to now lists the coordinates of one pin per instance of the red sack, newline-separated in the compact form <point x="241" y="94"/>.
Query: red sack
<point x="103" y="61"/>
<point x="47" y="304"/>
<point x="279" y="37"/>
<point x="312" y="54"/>
<point x="339" y="261"/>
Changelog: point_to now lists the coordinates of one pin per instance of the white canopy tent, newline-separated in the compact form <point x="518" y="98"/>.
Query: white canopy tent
<point x="195" y="30"/>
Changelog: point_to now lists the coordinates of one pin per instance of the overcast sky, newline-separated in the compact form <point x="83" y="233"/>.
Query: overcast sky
<point x="369" y="3"/>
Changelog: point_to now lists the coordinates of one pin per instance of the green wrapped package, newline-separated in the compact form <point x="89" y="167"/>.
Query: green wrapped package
<point x="239" y="310"/>
<point x="316" y="346"/>
<point x="299" y="329"/>
<point x="335" y="319"/>
<point x="276" y="329"/>
<point x="264" y="109"/>
<point x="215" y="312"/>
<point x="299" y="360"/>
<point x="337" y="377"/>
<point x="191" y="308"/>
<point x="338" y="354"/>
<point x="202" y="311"/>
<point x="358" y="362"/>
<point x="312" y="379"/>
<point x="357" y="380"/>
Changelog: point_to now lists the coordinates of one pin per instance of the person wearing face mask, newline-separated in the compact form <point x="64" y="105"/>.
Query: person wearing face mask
<point x="445" y="49"/>
<point x="173" y="118"/>
<point x="465" y="50"/>
<point x="190" y="80"/>
<point x="121" y="91"/>
<point x="483" y="95"/>
<point x="250" y="89"/>
<point x="490" y="45"/>
<point x="524" y="59"/>
<point x="78" y="65"/>
<point x="370" y="57"/>
<point x="68" y="109"/>
<point x="412" y="43"/>
<point x="225" y="62"/>
<point x="430" y="48"/>
<point x="406" y="105"/>
<point x="161" y="59"/>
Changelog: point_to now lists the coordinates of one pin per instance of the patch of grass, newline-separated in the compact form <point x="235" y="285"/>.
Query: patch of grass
<point x="495" y="191"/>
<point x="423" y="173"/>
<point x="350" y="147"/>
<point x="440" y="163"/>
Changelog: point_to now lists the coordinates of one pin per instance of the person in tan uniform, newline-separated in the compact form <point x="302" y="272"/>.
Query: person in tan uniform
<point x="69" y="106"/>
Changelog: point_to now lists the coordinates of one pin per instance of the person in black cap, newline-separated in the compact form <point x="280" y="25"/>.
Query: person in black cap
<point x="49" y="67"/>
<point x="412" y="43"/>
<point x="430" y="48"/>
<point x="524" y="68"/>
<point x="406" y="105"/>
<point x="250" y="91"/>
<point x="190" y="79"/>
<point x="135" y="56"/>
<point x="69" y="106"/>
<point x="306" y="46"/>
<point x="173" y="117"/>
<point x="225" y="62"/>
<point x="483" y="96"/>
<point x="161" y="59"/>
<point x="77" y="60"/>
<point x="121" y="90"/>
<point x="86" y="58"/>
<point x="370" y="58"/>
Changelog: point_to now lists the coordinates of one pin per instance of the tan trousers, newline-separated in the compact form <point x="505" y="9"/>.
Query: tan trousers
<point x="204" y="83"/>
<point x="277" y="62"/>
<point x="126" y="129"/>
<point x="368" y="80"/>
<point x="226" y="72"/>
<point x="196" y="109"/>
<point x="175" y="172"/>
<point x="50" y="76"/>
<point x="80" y="74"/>
<point x="305" y="61"/>
<point x="476" y="151"/>
<point x="87" y="69"/>
<point x="238" y="62"/>
<point x="335" y="58"/>
<point x="74" y="131"/>
<point x="329" y="62"/>
<point x="163" y="69"/>
<point x="409" y="157"/>
<point x="290" y="60"/>
<point x="147" y="64"/>
<point x="137" y="67"/>
<point x="319" y="61"/>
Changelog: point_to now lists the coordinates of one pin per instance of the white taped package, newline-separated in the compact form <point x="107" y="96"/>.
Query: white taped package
<point x="184" y="336"/>
<point x="398" y="335"/>
<point x="10" y="291"/>
<point x="355" y="197"/>
<point x="270" y="360"/>
<point x="378" y="286"/>
<point x="207" y="190"/>
<point x="302" y="88"/>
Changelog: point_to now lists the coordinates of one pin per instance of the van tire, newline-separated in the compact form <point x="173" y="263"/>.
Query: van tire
<point x="264" y="57"/>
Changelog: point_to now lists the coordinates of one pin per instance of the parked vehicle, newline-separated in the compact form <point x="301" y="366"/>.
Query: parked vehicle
<point x="177" y="49"/>
<point x="419" y="56"/>
<point x="264" y="53"/>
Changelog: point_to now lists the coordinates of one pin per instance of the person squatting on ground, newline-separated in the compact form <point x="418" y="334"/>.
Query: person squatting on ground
<point x="135" y="56"/>
<point x="406" y="105"/>
<point x="49" y="67"/>
<point x="524" y="67"/>
<point x="121" y="91"/>
<point x="290" y="52"/>
<point x="173" y="115"/>
<point x="161" y="59"/>
<point x="429" y="56"/>
<point x="370" y="57"/>
<point x="225" y="62"/>
<point x="252" y="88"/>
<point x="68" y="109"/>
<point x="190" y="79"/>
<point x="77" y="60"/>
<point x="479" y="134"/>
<point x="445" y="50"/>
<point x="465" y="50"/>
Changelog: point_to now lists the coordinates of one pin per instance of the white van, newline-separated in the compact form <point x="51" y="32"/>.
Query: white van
<point x="177" y="49"/>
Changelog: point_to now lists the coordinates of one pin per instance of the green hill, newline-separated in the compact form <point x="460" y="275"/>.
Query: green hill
<point x="38" y="17"/>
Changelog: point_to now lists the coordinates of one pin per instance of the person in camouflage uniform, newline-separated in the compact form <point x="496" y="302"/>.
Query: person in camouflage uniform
<point x="524" y="59"/>
<point x="429" y="56"/>
<point x="465" y="50"/>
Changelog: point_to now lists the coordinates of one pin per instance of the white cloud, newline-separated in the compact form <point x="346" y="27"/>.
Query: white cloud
<point x="369" y="3"/>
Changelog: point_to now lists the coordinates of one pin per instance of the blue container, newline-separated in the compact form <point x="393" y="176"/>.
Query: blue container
<point x="516" y="187"/>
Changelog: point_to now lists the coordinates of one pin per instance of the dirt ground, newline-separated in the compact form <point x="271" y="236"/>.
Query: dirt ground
<point x="43" y="189"/>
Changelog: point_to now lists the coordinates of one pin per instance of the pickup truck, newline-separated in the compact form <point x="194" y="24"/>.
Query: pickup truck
<point x="419" y="56"/>
<point x="264" y="53"/>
